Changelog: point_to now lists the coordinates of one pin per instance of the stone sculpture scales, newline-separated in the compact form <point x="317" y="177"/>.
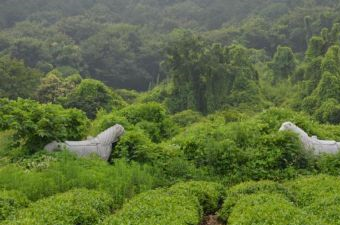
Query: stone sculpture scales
<point x="312" y="143"/>
<point x="100" y="145"/>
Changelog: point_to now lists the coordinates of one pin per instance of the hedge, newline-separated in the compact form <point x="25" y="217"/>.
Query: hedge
<point x="269" y="209"/>
<point x="181" y="204"/>
<point x="159" y="207"/>
<point x="318" y="195"/>
<point x="234" y="194"/>
<point x="79" y="206"/>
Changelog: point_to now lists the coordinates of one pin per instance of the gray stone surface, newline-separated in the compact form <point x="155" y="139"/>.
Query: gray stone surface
<point x="100" y="145"/>
<point x="312" y="143"/>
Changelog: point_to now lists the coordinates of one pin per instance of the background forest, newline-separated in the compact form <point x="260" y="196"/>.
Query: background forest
<point x="201" y="88"/>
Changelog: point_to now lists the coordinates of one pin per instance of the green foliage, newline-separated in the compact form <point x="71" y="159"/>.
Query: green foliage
<point x="53" y="86"/>
<point x="135" y="145"/>
<point x="152" y="118"/>
<point x="207" y="77"/>
<point x="329" y="112"/>
<point x="246" y="149"/>
<point x="79" y="206"/>
<point x="17" y="80"/>
<point x="312" y="189"/>
<point x="315" y="47"/>
<point x="180" y="204"/>
<point x="121" y="43"/>
<point x="129" y="96"/>
<point x="242" y="191"/>
<point x="158" y="207"/>
<point x="328" y="87"/>
<point x="208" y="193"/>
<point x="36" y="124"/>
<point x="269" y="209"/>
<point x="30" y="50"/>
<point x="43" y="177"/>
<point x="6" y="141"/>
<point x="186" y="118"/>
<point x="329" y="164"/>
<point x="119" y="56"/>
<point x="106" y="120"/>
<point x="318" y="196"/>
<point x="319" y="79"/>
<point x="92" y="95"/>
<point x="10" y="203"/>
<point x="152" y="112"/>
<point x="283" y="63"/>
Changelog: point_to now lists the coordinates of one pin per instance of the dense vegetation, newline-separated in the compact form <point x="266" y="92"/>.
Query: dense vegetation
<point x="218" y="79"/>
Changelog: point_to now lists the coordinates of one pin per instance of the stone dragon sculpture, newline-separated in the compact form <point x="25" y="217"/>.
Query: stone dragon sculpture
<point x="100" y="145"/>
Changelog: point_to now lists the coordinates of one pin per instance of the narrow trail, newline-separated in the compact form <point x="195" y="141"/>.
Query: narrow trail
<point x="211" y="220"/>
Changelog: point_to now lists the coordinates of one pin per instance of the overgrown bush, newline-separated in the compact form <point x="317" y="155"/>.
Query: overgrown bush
<point x="11" y="202"/>
<point x="106" y="120"/>
<point x="329" y="164"/>
<point x="246" y="149"/>
<point x="36" y="124"/>
<point x="186" y="118"/>
<point x="6" y="141"/>
<point x="151" y="117"/>
<point x="135" y="145"/>
<point x="329" y="112"/>
<point x="92" y="95"/>
<point x="121" y="180"/>
<point x="79" y="206"/>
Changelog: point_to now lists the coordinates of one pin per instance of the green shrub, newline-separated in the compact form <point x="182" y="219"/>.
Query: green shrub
<point x="329" y="112"/>
<point x="152" y="112"/>
<point x="269" y="209"/>
<point x="106" y="120"/>
<point x="208" y="193"/>
<point x="135" y="145"/>
<point x="79" y="206"/>
<point x="329" y="164"/>
<point x="186" y="118"/>
<point x="245" y="150"/>
<point x="234" y="194"/>
<point x="310" y="190"/>
<point x="92" y="95"/>
<point x="318" y="195"/>
<point x="158" y="207"/>
<point x="129" y="96"/>
<point x="38" y="124"/>
<point x="174" y="166"/>
<point x="152" y="118"/>
<point x="6" y="142"/>
<point x="11" y="202"/>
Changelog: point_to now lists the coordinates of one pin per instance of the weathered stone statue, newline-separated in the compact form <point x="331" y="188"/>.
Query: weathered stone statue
<point x="312" y="143"/>
<point x="100" y="145"/>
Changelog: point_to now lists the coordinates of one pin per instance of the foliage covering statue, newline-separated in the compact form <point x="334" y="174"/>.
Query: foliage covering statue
<point x="100" y="145"/>
<point x="312" y="143"/>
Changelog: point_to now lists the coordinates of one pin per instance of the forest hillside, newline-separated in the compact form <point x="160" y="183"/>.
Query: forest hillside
<point x="210" y="94"/>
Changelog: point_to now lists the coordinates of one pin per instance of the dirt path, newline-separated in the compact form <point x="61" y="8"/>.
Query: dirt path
<point x="211" y="220"/>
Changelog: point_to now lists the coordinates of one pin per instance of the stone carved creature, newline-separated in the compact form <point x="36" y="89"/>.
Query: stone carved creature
<point x="100" y="145"/>
<point x="312" y="143"/>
